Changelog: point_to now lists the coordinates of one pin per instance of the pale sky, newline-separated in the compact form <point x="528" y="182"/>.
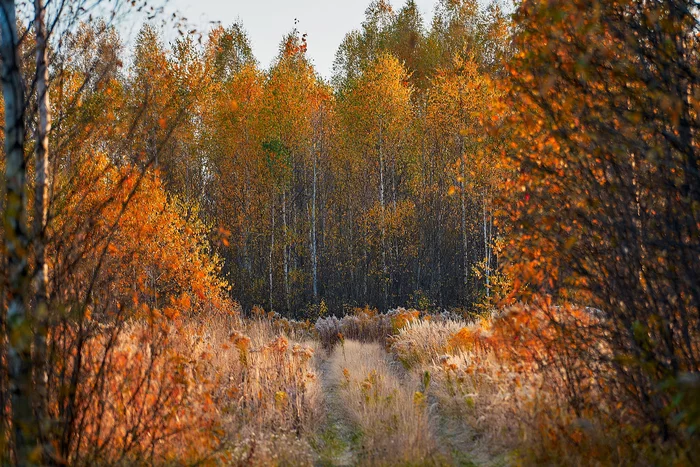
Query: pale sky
<point x="325" y="21"/>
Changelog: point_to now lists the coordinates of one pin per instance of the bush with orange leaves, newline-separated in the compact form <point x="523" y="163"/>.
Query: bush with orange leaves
<point x="137" y="397"/>
<point x="129" y="264"/>
<point x="119" y="234"/>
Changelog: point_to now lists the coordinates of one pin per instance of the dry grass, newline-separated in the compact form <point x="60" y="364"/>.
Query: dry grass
<point x="472" y="388"/>
<point x="368" y="325"/>
<point x="498" y="404"/>
<point x="212" y="388"/>
<point x="422" y="341"/>
<point x="391" y="418"/>
<point x="267" y="391"/>
<point x="244" y="392"/>
<point x="459" y="401"/>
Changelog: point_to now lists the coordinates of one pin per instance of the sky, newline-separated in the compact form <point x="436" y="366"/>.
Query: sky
<point x="325" y="21"/>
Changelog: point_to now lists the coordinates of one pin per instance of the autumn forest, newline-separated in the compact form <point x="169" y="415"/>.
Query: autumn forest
<point x="476" y="243"/>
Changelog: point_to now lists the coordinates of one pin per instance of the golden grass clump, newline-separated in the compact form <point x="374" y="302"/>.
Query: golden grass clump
<point x="421" y="341"/>
<point x="265" y="389"/>
<point x="480" y="398"/>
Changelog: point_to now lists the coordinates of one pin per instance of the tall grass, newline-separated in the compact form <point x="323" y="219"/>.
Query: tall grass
<point x="266" y="389"/>
<point x="472" y="389"/>
<point x="368" y="325"/>
<point x="514" y="387"/>
<point x="392" y="421"/>
<point x="418" y="390"/>
<point x="209" y="388"/>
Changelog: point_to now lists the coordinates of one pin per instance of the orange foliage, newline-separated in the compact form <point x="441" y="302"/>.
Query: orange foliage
<point x="403" y="317"/>
<point x="159" y="398"/>
<point x="155" y="249"/>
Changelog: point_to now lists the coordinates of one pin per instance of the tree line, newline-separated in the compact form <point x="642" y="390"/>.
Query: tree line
<point x="376" y="188"/>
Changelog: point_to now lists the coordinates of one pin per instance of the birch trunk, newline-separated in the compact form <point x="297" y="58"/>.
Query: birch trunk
<point x="16" y="240"/>
<point x="41" y="183"/>
<point x="487" y="247"/>
<point x="314" y="258"/>
<point x="272" y="244"/>
<point x="382" y="220"/>
<point x="285" y="249"/>
<point x="465" y="242"/>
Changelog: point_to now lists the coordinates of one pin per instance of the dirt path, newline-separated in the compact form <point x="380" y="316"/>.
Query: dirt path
<point x="337" y="435"/>
<point x="372" y="417"/>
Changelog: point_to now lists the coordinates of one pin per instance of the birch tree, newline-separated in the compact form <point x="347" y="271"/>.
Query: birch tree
<point x="41" y="199"/>
<point x="17" y="240"/>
